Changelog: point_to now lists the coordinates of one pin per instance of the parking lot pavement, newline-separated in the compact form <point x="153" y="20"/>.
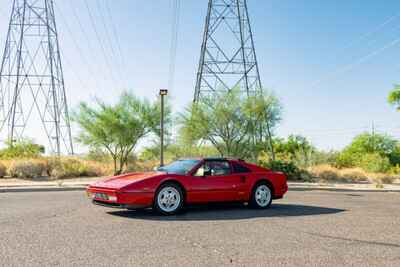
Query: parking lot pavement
<point x="307" y="228"/>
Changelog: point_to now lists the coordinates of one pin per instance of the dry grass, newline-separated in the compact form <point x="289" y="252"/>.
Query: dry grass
<point x="27" y="168"/>
<point x="3" y="170"/>
<point x="350" y="175"/>
<point x="325" y="172"/>
<point x="70" y="167"/>
<point x="54" y="168"/>
<point x="142" y="166"/>
<point x="383" y="178"/>
<point x="353" y="175"/>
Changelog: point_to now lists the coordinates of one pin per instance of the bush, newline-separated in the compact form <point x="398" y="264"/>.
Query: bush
<point x="27" y="169"/>
<point x="98" y="155"/>
<point x="347" y="159"/>
<point x="71" y="167"/>
<point x="330" y="173"/>
<point x="22" y="149"/>
<point x="142" y="166"/>
<point x="395" y="169"/>
<point x="325" y="172"/>
<point x="374" y="162"/>
<point x="3" y="170"/>
<point x="353" y="175"/>
<point x="384" y="178"/>
<point x="290" y="169"/>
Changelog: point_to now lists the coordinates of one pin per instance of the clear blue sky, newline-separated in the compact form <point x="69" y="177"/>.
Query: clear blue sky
<point x="332" y="63"/>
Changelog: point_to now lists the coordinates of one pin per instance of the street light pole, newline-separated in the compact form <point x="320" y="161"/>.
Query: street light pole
<point x="163" y="92"/>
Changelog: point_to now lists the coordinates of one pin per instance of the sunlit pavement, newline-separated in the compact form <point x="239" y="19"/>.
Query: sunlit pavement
<point x="309" y="228"/>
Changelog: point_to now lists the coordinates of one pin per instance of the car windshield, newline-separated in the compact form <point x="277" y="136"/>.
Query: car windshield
<point x="180" y="166"/>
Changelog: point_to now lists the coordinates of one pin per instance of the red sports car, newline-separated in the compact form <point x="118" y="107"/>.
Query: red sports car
<point x="190" y="181"/>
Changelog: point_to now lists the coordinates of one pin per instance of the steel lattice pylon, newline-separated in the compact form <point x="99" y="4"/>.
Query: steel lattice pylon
<point x="31" y="76"/>
<point x="228" y="59"/>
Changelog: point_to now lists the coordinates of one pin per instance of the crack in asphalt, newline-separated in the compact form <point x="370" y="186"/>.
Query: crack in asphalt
<point x="355" y="240"/>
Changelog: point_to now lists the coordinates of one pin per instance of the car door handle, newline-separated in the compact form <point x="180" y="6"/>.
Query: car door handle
<point x="243" y="179"/>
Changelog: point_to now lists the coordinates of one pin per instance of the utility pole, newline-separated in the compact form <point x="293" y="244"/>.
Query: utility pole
<point x="163" y="93"/>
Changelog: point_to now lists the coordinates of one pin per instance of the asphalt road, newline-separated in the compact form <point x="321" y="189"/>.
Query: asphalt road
<point x="307" y="228"/>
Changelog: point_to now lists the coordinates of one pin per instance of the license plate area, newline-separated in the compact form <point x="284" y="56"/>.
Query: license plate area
<point x="101" y="196"/>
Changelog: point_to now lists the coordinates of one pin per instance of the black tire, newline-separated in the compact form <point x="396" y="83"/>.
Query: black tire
<point x="162" y="207"/>
<point x="258" y="204"/>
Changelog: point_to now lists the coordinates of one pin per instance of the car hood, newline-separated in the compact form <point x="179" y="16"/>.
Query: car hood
<point x="118" y="182"/>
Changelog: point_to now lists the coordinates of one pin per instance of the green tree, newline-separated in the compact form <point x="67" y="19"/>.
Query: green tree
<point x="117" y="129"/>
<point x="367" y="143"/>
<point x="236" y="125"/>
<point x="394" y="97"/>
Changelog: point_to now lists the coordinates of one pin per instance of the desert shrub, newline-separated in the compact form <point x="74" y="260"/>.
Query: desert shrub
<point x="325" y="172"/>
<point x="331" y="173"/>
<point x="347" y="159"/>
<point x="3" y="170"/>
<point x="324" y="157"/>
<point x="142" y="166"/>
<point x="353" y="175"/>
<point x="96" y="154"/>
<point x="26" y="168"/>
<point x="395" y="170"/>
<point x="372" y="145"/>
<point x="382" y="178"/>
<point x="374" y="162"/>
<point x="22" y="149"/>
<point x="289" y="168"/>
<point x="71" y="167"/>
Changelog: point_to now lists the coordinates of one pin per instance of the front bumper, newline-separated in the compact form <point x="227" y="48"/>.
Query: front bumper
<point x="124" y="200"/>
<point x="117" y="205"/>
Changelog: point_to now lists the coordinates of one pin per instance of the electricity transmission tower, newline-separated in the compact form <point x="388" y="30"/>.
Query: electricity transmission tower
<point x="31" y="77"/>
<point x="228" y="58"/>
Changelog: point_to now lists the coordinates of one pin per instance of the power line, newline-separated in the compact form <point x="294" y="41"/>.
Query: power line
<point x="82" y="55"/>
<point x="100" y="43"/>
<point x="174" y="42"/>
<point x="107" y="35"/>
<point x="74" y="72"/>
<point x="371" y="32"/>
<point x="118" y="42"/>
<point x="357" y="62"/>
<point x="86" y="36"/>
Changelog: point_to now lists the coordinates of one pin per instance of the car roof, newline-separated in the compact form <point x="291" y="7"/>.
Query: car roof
<point x="214" y="159"/>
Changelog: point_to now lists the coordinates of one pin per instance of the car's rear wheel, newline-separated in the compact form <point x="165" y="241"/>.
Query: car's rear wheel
<point x="169" y="199"/>
<point x="261" y="197"/>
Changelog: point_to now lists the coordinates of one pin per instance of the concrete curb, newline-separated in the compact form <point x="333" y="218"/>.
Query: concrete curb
<point x="335" y="189"/>
<point x="24" y="189"/>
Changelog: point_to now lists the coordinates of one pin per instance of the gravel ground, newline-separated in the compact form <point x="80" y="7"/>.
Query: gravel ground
<point x="307" y="228"/>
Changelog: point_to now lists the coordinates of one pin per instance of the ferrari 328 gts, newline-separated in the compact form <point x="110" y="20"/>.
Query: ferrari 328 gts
<point x="190" y="181"/>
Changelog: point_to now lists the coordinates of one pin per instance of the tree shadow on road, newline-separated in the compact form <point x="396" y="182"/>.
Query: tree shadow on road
<point x="229" y="212"/>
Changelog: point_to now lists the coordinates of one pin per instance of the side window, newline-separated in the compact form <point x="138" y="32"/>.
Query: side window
<point x="218" y="167"/>
<point x="237" y="168"/>
<point x="214" y="168"/>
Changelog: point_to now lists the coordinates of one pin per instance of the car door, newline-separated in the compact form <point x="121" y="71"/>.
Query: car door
<point x="213" y="181"/>
<point x="245" y="176"/>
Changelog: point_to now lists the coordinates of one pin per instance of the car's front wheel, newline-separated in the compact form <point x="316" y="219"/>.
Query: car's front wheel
<point x="261" y="196"/>
<point x="169" y="199"/>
